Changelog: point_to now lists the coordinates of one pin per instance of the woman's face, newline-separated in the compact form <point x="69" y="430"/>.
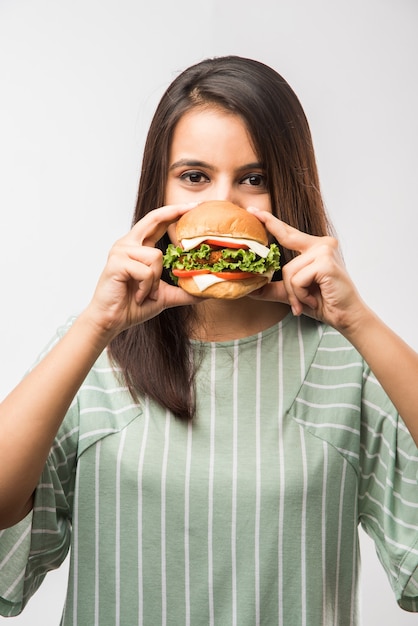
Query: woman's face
<point x="212" y="158"/>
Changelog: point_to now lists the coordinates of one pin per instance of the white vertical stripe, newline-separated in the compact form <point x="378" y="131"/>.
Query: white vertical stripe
<point x="163" y="520"/>
<point x="282" y="474"/>
<point x="118" y="528"/>
<point x="187" y="523"/>
<point x="234" y="483"/>
<point x="339" y="538"/>
<point x="258" y="479"/>
<point x="303" y="526"/>
<point x="305" y="483"/>
<point x="211" y="479"/>
<point x="97" y="534"/>
<point x="324" y="534"/>
<point x="140" y="512"/>
<point x="75" y="549"/>
<point x="301" y="351"/>
<point x="353" y="612"/>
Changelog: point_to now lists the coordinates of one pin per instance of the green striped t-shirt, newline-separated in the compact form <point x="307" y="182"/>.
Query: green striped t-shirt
<point x="248" y="516"/>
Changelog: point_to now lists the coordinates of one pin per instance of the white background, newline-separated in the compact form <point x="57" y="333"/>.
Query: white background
<point x="79" y="81"/>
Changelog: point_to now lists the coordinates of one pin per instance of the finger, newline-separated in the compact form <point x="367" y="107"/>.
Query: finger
<point x="148" y="230"/>
<point x="128" y="261"/>
<point x="276" y="292"/>
<point x="151" y="279"/>
<point x="288" y="236"/>
<point x="273" y="292"/>
<point x="140" y="279"/>
<point x="152" y="258"/>
<point x="167" y="297"/>
<point x="176" y="296"/>
<point x="305" y="290"/>
<point x="294" y="289"/>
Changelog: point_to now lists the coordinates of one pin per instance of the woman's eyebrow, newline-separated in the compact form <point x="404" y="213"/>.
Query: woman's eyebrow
<point x="190" y="163"/>
<point x="251" y="166"/>
<point x="196" y="163"/>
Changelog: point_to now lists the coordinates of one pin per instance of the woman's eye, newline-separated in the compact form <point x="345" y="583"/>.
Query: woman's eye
<point x="255" y="180"/>
<point x="194" y="178"/>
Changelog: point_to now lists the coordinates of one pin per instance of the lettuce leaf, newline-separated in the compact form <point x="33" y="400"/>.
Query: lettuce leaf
<point x="232" y="259"/>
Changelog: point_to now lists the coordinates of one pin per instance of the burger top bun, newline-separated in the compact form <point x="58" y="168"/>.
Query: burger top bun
<point x="219" y="217"/>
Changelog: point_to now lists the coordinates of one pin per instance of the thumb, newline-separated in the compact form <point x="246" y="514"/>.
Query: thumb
<point x="273" y="292"/>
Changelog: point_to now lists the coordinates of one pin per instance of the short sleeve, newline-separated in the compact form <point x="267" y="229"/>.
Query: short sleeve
<point x="40" y="542"/>
<point x="388" y="491"/>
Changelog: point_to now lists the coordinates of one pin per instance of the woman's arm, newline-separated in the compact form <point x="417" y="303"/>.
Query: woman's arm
<point x="316" y="283"/>
<point x="392" y="361"/>
<point x="129" y="292"/>
<point x="32" y="413"/>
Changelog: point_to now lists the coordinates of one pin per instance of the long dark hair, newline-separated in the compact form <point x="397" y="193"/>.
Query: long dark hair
<point x="155" y="357"/>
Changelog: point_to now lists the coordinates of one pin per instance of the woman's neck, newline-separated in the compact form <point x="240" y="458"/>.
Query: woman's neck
<point x="223" y="320"/>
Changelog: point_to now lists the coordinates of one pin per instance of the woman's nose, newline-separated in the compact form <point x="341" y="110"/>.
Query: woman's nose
<point x="226" y="191"/>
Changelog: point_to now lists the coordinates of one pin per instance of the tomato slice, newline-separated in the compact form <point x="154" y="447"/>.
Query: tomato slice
<point x="224" y="275"/>
<point x="225" y="244"/>
<point x="188" y="273"/>
<point x="234" y="275"/>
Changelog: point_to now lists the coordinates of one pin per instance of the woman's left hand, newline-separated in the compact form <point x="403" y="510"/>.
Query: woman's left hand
<point x="315" y="282"/>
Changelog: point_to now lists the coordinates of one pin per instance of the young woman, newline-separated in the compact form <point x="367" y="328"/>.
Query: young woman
<point x="209" y="461"/>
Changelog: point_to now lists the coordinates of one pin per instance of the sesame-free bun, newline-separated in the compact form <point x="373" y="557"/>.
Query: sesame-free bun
<point x="219" y="217"/>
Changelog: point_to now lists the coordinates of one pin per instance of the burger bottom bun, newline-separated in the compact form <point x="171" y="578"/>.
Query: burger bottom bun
<point x="227" y="289"/>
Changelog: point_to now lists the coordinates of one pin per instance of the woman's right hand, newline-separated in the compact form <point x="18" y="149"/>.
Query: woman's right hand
<point x="130" y="290"/>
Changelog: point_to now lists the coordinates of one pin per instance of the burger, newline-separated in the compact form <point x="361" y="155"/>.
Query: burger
<point x="223" y="252"/>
